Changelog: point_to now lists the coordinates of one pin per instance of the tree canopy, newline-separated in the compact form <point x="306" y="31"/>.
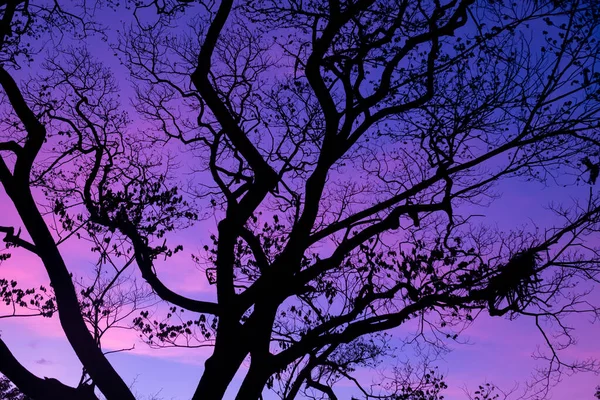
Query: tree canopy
<point x="344" y="150"/>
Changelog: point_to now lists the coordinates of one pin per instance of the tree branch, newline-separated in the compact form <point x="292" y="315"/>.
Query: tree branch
<point x="11" y="238"/>
<point x="38" y="388"/>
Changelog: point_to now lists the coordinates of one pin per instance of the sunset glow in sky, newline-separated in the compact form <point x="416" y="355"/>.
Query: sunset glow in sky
<point x="494" y="349"/>
<point x="497" y="350"/>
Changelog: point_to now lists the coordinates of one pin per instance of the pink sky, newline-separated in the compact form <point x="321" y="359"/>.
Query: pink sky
<point x="500" y="350"/>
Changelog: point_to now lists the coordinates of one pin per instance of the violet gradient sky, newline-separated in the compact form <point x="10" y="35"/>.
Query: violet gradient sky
<point x="499" y="350"/>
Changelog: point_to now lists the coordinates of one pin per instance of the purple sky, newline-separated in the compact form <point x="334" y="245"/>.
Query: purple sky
<point x="499" y="350"/>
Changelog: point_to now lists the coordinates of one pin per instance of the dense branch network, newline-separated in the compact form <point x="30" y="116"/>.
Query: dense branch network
<point x="342" y="146"/>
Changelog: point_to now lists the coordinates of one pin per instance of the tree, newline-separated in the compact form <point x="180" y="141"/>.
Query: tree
<point x="341" y="145"/>
<point x="9" y="392"/>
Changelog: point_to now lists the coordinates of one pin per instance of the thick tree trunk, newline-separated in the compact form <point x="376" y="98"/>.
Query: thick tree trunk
<point x="219" y="370"/>
<point x="260" y="327"/>
<point x="254" y="382"/>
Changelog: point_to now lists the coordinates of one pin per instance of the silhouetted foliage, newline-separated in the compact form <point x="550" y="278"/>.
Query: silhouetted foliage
<point x="341" y="145"/>
<point x="9" y="392"/>
<point x="488" y="391"/>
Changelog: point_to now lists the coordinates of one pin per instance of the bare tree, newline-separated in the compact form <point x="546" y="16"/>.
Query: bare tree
<point x="342" y="146"/>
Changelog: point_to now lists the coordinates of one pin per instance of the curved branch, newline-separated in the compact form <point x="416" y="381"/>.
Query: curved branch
<point x="15" y="240"/>
<point x="38" y="388"/>
<point x="17" y="186"/>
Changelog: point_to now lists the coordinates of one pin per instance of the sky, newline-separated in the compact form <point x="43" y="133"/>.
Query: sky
<point x="498" y="350"/>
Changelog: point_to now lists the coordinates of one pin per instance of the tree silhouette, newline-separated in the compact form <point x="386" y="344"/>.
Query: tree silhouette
<point x="342" y="146"/>
<point x="9" y="392"/>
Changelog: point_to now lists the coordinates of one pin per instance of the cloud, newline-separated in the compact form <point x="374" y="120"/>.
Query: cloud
<point x="43" y="361"/>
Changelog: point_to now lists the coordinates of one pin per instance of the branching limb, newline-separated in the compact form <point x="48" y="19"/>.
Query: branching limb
<point x="38" y="388"/>
<point x="11" y="239"/>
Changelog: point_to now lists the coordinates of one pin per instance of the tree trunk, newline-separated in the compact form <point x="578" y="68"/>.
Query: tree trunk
<point x="219" y="370"/>
<point x="259" y="326"/>
<point x="254" y="382"/>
